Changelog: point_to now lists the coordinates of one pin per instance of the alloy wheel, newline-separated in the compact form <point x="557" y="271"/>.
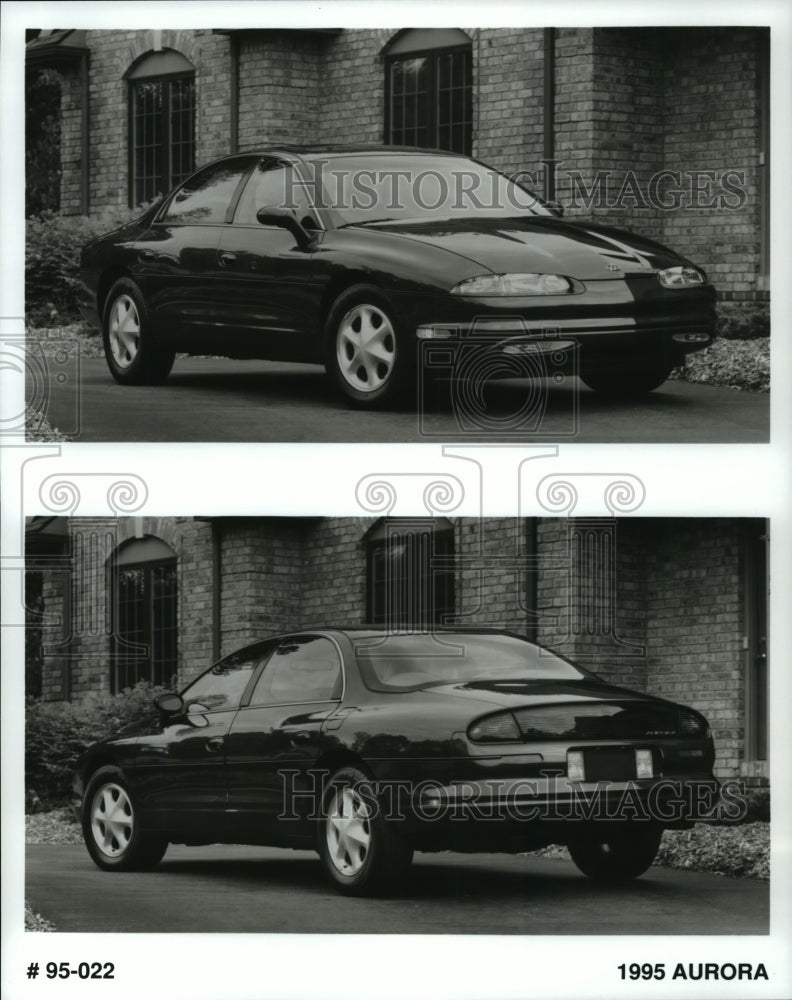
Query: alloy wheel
<point x="124" y="331"/>
<point x="112" y="819"/>
<point x="348" y="831"/>
<point x="366" y="348"/>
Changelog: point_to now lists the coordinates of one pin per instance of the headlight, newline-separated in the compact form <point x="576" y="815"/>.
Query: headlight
<point x="681" y="277"/>
<point x="514" y="284"/>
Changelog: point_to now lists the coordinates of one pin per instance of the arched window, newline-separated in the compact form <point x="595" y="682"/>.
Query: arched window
<point x="410" y="572"/>
<point x="429" y="90"/>
<point x="161" y="124"/>
<point x="144" y="588"/>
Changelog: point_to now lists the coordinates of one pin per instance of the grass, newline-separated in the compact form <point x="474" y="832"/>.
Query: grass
<point x="35" y="922"/>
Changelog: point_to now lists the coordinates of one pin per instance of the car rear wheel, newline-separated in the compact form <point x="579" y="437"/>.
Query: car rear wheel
<point x="132" y="356"/>
<point x="618" y="855"/>
<point x="111" y="825"/>
<point x="626" y="382"/>
<point x="366" y="357"/>
<point x="362" y="852"/>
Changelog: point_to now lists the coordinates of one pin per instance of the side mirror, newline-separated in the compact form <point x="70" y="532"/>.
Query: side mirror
<point x="169" y="703"/>
<point x="284" y="219"/>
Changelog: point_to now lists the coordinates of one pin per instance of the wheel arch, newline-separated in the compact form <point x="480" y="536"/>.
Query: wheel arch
<point x="106" y="282"/>
<point x="339" y="284"/>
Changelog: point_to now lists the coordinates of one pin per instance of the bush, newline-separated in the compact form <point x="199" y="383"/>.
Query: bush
<point x="56" y="733"/>
<point x="52" y="261"/>
<point x="743" y="322"/>
<point x="737" y="364"/>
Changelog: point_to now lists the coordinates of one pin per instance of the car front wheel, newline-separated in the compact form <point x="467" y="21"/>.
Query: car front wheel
<point x="112" y="828"/>
<point x="366" y="357"/>
<point x="617" y="855"/>
<point x="362" y="852"/>
<point x="132" y="356"/>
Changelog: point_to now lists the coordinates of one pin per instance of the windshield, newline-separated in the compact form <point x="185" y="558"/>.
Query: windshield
<point x="369" y="188"/>
<point x="408" y="662"/>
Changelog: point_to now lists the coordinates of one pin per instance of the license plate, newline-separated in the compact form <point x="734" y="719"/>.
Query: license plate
<point x="610" y="764"/>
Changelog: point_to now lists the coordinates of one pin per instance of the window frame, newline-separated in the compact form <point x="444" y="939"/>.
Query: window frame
<point x="278" y="640"/>
<point x="443" y="563"/>
<point x="263" y="654"/>
<point x="166" y="145"/>
<point x="432" y="54"/>
<point x="162" y="211"/>
<point x="116" y="640"/>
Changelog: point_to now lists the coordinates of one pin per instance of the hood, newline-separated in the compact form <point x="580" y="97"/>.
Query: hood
<point x="517" y="694"/>
<point x="540" y="244"/>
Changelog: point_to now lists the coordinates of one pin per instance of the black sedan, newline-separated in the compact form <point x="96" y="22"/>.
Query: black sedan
<point x="367" y="745"/>
<point x="388" y="265"/>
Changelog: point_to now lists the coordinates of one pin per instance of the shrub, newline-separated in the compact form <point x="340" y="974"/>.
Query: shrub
<point x="52" y="261"/>
<point x="743" y="321"/>
<point x="56" y="733"/>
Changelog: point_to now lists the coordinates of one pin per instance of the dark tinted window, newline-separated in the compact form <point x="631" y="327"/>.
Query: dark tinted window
<point x="404" y="662"/>
<point x="306" y="668"/>
<point x="274" y="185"/>
<point x="205" y="198"/>
<point x="222" y="687"/>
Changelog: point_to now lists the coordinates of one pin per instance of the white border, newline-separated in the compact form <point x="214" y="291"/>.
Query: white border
<point x="680" y="480"/>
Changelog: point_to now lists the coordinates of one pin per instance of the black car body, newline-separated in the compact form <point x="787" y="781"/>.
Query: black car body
<point x="463" y="739"/>
<point x="351" y="258"/>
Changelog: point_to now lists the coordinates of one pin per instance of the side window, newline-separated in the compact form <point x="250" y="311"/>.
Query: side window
<point x="306" y="668"/>
<point x="221" y="688"/>
<point x="274" y="185"/>
<point x="205" y="198"/>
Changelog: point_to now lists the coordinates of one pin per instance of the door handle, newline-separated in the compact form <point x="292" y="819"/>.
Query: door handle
<point x="146" y="255"/>
<point x="225" y="257"/>
<point x="301" y="738"/>
<point x="215" y="744"/>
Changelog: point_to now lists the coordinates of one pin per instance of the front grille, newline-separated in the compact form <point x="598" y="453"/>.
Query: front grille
<point x="601" y="721"/>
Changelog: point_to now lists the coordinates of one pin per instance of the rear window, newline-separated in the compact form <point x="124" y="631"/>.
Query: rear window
<point x="401" y="662"/>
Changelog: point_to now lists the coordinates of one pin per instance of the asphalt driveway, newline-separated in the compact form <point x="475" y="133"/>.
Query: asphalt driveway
<point x="266" y="890"/>
<point x="222" y="400"/>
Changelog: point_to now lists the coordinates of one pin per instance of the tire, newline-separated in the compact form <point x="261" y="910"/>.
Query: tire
<point x="362" y="319"/>
<point x="619" y="854"/>
<point x="132" y="356"/>
<point x="362" y="853"/>
<point x="111" y="825"/>
<point x="627" y="382"/>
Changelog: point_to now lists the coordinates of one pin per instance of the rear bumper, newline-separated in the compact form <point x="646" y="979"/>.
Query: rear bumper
<point x="552" y="797"/>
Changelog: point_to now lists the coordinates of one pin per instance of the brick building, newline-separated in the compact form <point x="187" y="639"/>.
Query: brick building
<point x="673" y="606"/>
<point x="664" y="130"/>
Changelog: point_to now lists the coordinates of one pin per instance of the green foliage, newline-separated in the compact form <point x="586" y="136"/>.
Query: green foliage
<point x="42" y="141"/>
<point x="738" y="364"/>
<point x="743" y="321"/>
<point x="56" y="733"/>
<point x="741" y="851"/>
<point x="52" y="261"/>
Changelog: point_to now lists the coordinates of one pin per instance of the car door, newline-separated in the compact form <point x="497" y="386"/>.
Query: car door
<point x="180" y="766"/>
<point x="271" y="286"/>
<point x="276" y="737"/>
<point x="177" y="258"/>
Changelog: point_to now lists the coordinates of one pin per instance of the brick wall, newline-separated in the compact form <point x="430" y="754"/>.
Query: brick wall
<point x="652" y="604"/>
<point x="629" y="101"/>
<point x="694" y="626"/>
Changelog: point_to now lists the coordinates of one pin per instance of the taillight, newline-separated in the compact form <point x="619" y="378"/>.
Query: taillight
<point x="500" y="728"/>
<point x="692" y="724"/>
